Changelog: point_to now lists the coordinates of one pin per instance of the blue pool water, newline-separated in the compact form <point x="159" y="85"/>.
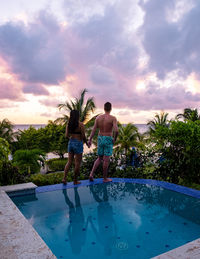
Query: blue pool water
<point x="114" y="220"/>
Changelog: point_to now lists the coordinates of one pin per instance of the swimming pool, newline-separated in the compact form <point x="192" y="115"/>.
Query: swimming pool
<point x="115" y="220"/>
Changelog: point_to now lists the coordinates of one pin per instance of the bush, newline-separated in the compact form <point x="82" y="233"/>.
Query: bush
<point x="9" y="174"/>
<point x="48" y="179"/>
<point x="56" y="164"/>
<point x="29" y="161"/>
<point x="180" y="149"/>
<point x="4" y="150"/>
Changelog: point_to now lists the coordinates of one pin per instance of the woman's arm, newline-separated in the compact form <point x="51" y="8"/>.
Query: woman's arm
<point x="83" y="133"/>
<point x="67" y="132"/>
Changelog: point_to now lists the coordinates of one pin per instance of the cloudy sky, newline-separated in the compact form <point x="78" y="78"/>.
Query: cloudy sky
<point x="141" y="55"/>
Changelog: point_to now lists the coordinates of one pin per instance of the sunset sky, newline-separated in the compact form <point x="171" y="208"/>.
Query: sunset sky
<point x="141" y="55"/>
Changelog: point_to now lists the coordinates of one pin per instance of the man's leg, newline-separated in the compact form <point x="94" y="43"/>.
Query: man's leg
<point x="96" y="164"/>
<point x="106" y="161"/>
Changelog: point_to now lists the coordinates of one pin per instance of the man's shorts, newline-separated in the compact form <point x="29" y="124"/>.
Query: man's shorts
<point x="105" y="145"/>
<point x="75" y="146"/>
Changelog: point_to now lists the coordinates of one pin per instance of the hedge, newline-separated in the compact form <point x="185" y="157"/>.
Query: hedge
<point x="56" y="164"/>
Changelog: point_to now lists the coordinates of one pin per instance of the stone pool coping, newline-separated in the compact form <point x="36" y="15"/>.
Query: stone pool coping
<point x="18" y="239"/>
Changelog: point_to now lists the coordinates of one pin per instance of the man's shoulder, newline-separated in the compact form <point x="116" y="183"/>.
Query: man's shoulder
<point x="113" y="117"/>
<point x="100" y="116"/>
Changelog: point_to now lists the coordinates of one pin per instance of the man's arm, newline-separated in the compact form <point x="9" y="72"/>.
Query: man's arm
<point x="92" y="133"/>
<point x="115" y="130"/>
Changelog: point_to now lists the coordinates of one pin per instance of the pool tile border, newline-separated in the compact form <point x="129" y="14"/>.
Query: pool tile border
<point x="166" y="185"/>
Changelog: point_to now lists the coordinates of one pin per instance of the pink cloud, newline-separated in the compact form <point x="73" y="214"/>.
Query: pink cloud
<point x="10" y="90"/>
<point x="102" y="52"/>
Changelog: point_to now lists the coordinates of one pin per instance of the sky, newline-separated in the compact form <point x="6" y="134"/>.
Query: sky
<point x="143" y="56"/>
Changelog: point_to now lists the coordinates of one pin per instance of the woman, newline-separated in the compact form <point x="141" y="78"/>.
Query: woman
<point x="76" y="132"/>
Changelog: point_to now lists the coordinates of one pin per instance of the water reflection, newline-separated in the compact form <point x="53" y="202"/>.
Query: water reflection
<point x="106" y="231"/>
<point x="180" y="204"/>
<point x="77" y="228"/>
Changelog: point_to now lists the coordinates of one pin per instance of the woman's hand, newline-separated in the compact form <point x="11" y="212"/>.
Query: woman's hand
<point x="89" y="143"/>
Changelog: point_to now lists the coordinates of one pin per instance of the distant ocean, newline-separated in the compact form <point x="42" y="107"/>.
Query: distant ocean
<point x="141" y="127"/>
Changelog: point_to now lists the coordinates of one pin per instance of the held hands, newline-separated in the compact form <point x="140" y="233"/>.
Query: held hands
<point x="89" y="143"/>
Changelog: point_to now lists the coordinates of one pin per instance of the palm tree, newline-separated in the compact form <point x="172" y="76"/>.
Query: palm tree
<point x="159" y="120"/>
<point x="85" y="108"/>
<point x="127" y="138"/>
<point x="189" y="114"/>
<point x="6" y="130"/>
<point x="29" y="160"/>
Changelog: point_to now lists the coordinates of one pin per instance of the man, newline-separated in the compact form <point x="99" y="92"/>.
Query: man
<point x="107" y="125"/>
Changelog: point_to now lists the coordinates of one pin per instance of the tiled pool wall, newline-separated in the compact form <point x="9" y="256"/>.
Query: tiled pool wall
<point x="169" y="186"/>
<point x="18" y="239"/>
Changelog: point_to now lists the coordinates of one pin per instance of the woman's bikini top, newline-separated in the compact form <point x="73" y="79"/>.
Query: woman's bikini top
<point x="76" y="132"/>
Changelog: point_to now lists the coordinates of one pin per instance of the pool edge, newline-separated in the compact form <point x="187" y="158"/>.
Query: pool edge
<point x="166" y="185"/>
<point x="18" y="239"/>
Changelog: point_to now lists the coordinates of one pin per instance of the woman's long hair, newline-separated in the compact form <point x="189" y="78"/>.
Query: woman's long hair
<point x="73" y="121"/>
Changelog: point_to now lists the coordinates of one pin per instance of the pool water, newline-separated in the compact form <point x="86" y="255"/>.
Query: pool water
<point x="114" y="220"/>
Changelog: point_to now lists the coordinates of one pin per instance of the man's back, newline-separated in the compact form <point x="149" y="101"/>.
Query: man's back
<point x="106" y="123"/>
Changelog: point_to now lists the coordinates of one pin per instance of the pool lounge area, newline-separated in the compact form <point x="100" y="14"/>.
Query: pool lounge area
<point x="18" y="238"/>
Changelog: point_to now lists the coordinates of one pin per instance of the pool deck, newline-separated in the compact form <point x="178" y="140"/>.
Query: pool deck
<point x="19" y="240"/>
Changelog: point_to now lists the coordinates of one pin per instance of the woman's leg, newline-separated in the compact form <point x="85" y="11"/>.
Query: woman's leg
<point x="78" y="160"/>
<point x="67" y="167"/>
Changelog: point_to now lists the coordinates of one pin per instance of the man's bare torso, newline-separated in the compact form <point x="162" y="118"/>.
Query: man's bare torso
<point x="105" y="124"/>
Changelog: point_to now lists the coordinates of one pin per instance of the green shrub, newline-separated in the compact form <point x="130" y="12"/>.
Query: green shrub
<point x="4" y="150"/>
<point x="29" y="160"/>
<point x="180" y="149"/>
<point x="9" y="174"/>
<point x="48" y="179"/>
<point x="56" y="164"/>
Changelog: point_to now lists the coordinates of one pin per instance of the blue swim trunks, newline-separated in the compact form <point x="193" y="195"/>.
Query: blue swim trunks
<point x="75" y="146"/>
<point x="105" y="145"/>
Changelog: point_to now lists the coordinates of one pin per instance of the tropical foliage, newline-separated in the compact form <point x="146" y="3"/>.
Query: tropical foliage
<point x="29" y="161"/>
<point x="56" y="164"/>
<point x="159" y="120"/>
<point x="53" y="139"/>
<point x="4" y="150"/>
<point x="27" y="139"/>
<point x="127" y="138"/>
<point x="170" y="151"/>
<point x="179" y="152"/>
<point x="85" y="107"/>
<point x="6" y="130"/>
<point x="189" y="114"/>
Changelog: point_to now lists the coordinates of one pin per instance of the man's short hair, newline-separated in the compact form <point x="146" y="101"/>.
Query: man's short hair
<point x="107" y="106"/>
